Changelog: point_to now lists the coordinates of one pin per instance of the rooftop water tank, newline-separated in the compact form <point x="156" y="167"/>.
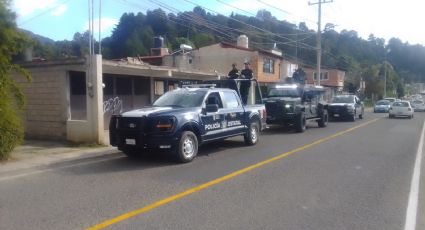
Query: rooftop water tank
<point x="158" y="42"/>
<point x="242" y="41"/>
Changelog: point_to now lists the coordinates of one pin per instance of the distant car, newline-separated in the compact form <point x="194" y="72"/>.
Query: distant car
<point x="346" y="106"/>
<point x="382" y="106"/>
<point x="418" y="105"/>
<point x="391" y="99"/>
<point x="401" y="109"/>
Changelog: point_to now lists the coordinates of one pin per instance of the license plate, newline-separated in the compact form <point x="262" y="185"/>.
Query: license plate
<point x="130" y="141"/>
<point x="336" y="115"/>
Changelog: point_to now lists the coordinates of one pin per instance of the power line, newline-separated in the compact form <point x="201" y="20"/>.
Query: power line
<point x="44" y="12"/>
<point x="319" y="35"/>
<point x="284" y="11"/>
<point x="260" y="29"/>
<point x="180" y="19"/>
<point x="191" y="18"/>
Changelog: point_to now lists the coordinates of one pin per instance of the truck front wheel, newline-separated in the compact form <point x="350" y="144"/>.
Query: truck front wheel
<point x="251" y="137"/>
<point x="300" y="125"/>
<point x="188" y="147"/>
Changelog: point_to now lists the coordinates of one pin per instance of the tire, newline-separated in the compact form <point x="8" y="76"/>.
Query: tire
<point x="300" y="124"/>
<point x="361" y="116"/>
<point x="323" y="122"/>
<point x="353" y="118"/>
<point x="188" y="147"/>
<point x="390" y="116"/>
<point x="252" y="135"/>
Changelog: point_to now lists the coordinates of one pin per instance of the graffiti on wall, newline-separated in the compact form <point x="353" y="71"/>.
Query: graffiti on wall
<point x="112" y="106"/>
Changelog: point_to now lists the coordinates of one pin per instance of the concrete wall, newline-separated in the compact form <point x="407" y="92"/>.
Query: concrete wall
<point x="215" y="57"/>
<point x="90" y="130"/>
<point x="46" y="110"/>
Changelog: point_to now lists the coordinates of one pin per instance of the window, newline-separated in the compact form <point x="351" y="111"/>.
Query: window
<point x="78" y="83"/>
<point x="324" y="76"/>
<point x="77" y="91"/>
<point x="214" y="98"/>
<point x="268" y="65"/>
<point x="231" y="100"/>
<point x="109" y="85"/>
<point x="141" y="86"/>
<point x="123" y="85"/>
<point x="159" y="87"/>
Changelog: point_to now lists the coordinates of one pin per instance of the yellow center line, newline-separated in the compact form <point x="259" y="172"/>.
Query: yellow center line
<point x="189" y="191"/>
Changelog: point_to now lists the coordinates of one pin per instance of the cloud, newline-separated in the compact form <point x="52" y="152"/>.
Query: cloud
<point x="105" y="24"/>
<point x="25" y="7"/>
<point x="58" y="11"/>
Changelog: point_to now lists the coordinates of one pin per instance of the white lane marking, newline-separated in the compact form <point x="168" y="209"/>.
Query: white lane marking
<point x="412" y="206"/>
<point x="38" y="171"/>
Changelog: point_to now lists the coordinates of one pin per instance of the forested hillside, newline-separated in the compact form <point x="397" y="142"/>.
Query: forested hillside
<point x="345" y="50"/>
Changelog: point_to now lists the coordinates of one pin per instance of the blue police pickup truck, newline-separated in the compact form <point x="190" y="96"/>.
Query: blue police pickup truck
<point x="183" y="119"/>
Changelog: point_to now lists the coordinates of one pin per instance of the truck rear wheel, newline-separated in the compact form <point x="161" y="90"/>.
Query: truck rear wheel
<point x="323" y="122"/>
<point x="188" y="147"/>
<point x="300" y="124"/>
<point x="251" y="136"/>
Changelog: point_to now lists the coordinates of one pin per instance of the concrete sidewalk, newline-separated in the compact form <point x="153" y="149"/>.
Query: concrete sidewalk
<point x="37" y="153"/>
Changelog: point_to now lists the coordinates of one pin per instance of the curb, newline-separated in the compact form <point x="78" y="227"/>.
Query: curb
<point x="45" y="160"/>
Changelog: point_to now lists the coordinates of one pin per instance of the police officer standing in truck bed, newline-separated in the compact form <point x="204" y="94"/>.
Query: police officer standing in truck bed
<point x="245" y="85"/>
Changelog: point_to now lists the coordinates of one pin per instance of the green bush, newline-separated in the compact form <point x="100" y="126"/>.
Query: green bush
<point x="11" y="128"/>
<point x="12" y="43"/>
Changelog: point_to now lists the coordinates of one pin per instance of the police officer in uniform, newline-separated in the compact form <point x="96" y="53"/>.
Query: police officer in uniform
<point x="234" y="73"/>
<point x="246" y="73"/>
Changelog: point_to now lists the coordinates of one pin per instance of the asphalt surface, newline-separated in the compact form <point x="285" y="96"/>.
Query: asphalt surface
<point x="341" y="178"/>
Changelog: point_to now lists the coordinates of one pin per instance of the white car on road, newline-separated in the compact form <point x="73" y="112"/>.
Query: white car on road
<point x="418" y="105"/>
<point x="401" y="109"/>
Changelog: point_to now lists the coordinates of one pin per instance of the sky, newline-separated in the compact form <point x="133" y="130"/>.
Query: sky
<point x="61" y="19"/>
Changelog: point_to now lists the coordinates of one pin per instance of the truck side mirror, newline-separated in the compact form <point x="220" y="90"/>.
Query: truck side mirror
<point x="211" y="108"/>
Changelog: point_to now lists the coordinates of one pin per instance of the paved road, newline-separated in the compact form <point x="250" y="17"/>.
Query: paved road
<point x="350" y="175"/>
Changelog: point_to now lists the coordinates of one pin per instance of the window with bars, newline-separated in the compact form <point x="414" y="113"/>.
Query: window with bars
<point x="323" y="76"/>
<point x="268" y="65"/>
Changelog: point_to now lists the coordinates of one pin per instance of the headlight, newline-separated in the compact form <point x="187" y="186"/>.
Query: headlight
<point x="289" y="107"/>
<point x="349" y="107"/>
<point x="165" y="124"/>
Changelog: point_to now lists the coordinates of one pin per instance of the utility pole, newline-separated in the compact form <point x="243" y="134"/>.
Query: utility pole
<point x="100" y="27"/>
<point x="385" y="75"/>
<point x="385" y="71"/>
<point x="319" y="36"/>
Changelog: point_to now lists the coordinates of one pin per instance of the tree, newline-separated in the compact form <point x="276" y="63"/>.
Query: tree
<point x="12" y="42"/>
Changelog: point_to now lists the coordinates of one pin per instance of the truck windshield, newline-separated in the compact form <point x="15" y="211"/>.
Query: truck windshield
<point x="283" y="92"/>
<point x="181" y="98"/>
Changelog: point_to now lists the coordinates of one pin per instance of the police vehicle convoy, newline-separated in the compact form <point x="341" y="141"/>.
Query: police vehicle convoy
<point x="346" y="107"/>
<point x="183" y="119"/>
<point x="295" y="104"/>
